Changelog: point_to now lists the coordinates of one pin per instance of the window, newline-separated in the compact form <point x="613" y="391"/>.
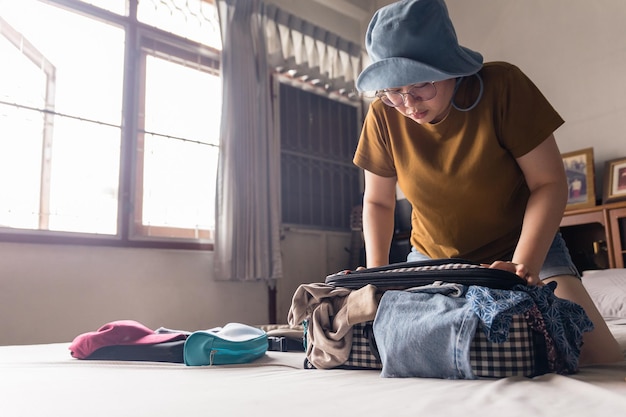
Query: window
<point x="319" y="183"/>
<point x="109" y="120"/>
<point x="176" y="166"/>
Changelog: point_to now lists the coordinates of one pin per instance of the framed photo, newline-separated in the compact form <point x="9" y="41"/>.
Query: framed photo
<point x="579" y="168"/>
<point x="614" y="180"/>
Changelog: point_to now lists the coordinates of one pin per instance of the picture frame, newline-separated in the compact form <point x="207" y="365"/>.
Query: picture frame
<point x="614" y="188"/>
<point x="580" y="171"/>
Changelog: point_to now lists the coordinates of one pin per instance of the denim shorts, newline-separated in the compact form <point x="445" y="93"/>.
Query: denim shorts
<point x="558" y="260"/>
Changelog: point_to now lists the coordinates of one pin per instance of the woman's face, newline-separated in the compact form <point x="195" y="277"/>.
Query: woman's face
<point x="433" y="110"/>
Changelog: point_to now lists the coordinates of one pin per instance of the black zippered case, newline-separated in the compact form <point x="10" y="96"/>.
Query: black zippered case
<point x="414" y="274"/>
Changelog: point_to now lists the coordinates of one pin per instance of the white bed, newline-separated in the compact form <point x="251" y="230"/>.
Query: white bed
<point x="43" y="380"/>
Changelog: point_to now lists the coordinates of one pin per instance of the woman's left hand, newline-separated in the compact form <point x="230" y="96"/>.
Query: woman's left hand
<point x="518" y="269"/>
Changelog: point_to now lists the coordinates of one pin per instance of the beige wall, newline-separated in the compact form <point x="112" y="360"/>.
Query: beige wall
<point x="52" y="293"/>
<point x="574" y="50"/>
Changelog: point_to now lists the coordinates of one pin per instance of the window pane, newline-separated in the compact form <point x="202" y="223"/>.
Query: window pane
<point x="83" y="195"/>
<point x="60" y="117"/>
<point x="192" y="19"/>
<point x="85" y="55"/>
<point x="182" y="101"/>
<point x="180" y="149"/>
<point x="20" y="166"/>
<point x="179" y="184"/>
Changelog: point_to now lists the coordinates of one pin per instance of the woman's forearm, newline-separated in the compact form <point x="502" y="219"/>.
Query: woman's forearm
<point x="544" y="212"/>
<point x="378" y="224"/>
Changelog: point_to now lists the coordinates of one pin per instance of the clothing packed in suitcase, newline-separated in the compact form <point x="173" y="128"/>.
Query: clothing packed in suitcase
<point x="446" y="318"/>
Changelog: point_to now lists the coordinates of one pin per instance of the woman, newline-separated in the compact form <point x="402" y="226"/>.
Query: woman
<point x="472" y="148"/>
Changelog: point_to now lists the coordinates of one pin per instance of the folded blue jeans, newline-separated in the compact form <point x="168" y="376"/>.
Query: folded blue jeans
<point x="421" y="334"/>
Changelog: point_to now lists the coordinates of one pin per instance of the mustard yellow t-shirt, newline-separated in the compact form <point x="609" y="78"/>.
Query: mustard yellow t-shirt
<point x="460" y="175"/>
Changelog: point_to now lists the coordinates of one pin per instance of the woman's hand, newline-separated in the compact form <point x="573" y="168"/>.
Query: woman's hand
<point x="518" y="269"/>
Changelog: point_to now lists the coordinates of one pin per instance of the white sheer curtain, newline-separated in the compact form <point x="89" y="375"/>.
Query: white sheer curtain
<point x="247" y="235"/>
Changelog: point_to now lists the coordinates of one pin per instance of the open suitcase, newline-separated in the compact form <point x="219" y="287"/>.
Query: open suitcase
<point x="522" y="354"/>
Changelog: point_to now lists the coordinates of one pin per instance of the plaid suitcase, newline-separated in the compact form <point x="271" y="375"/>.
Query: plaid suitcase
<point x="517" y="356"/>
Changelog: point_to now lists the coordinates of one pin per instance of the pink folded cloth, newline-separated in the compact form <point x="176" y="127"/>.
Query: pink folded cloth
<point x="121" y="332"/>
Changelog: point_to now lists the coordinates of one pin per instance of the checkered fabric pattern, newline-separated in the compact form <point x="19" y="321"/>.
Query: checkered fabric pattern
<point x="515" y="357"/>
<point x="361" y="356"/>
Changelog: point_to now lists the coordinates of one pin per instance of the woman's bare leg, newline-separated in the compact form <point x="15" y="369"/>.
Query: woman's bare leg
<point x="599" y="345"/>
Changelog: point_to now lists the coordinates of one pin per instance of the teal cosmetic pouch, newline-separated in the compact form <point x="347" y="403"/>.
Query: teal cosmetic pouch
<point x="234" y="343"/>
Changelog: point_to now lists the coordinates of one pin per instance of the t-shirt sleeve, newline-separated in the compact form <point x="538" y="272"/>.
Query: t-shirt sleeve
<point x="526" y="117"/>
<point x="373" y="152"/>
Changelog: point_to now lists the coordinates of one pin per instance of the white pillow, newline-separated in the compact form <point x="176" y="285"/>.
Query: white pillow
<point x="607" y="288"/>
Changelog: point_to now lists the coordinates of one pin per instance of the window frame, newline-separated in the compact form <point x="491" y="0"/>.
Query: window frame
<point x="178" y="52"/>
<point x="129" y="232"/>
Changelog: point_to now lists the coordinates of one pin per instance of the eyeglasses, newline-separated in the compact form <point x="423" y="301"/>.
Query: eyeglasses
<point x="419" y="92"/>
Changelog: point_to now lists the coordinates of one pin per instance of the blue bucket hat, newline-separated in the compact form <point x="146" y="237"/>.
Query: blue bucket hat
<point x="413" y="41"/>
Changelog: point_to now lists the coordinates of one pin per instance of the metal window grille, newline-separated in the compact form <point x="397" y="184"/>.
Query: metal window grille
<point x="319" y="183"/>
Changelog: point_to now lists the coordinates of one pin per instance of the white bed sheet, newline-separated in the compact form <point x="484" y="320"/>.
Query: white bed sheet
<point x="43" y="380"/>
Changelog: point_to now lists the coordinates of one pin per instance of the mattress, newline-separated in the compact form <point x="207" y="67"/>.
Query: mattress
<point x="44" y="380"/>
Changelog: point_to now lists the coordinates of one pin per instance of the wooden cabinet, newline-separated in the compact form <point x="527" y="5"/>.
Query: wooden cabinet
<point x="617" y="227"/>
<point x="596" y="236"/>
